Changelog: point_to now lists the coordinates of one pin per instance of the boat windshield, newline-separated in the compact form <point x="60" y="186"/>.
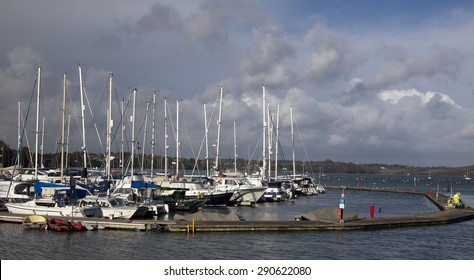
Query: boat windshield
<point x="114" y="202"/>
<point x="243" y="181"/>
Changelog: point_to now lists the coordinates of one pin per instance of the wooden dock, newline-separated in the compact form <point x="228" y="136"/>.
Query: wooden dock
<point x="116" y="224"/>
<point x="444" y="216"/>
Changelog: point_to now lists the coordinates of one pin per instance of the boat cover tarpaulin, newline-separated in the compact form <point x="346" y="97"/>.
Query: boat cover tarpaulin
<point x="224" y="215"/>
<point x="40" y="187"/>
<point x="140" y="185"/>
<point x="329" y="213"/>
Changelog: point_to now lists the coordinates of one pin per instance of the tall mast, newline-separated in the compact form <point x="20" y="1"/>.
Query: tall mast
<point x="153" y="135"/>
<point x="42" y="144"/>
<point x="166" y="139"/>
<point x="133" y="131"/>
<point x="19" y="131"/>
<point x="264" y="132"/>
<point x="110" y="124"/>
<point x="67" y="138"/>
<point x="235" y="150"/>
<point x="206" y="131"/>
<point x="293" y="141"/>
<point x="177" y="139"/>
<point x="83" y="108"/>
<point x="270" y="140"/>
<point x="37" y="122"/>
<point x="277" y="141"/>
<point x="144" y="136"/>
<point x="63" y="128"/>
<point x="122" y="155"/>
<point x="216" y="166"/>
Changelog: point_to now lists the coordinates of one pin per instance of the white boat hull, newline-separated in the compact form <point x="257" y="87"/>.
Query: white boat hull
<point x="247" y="195"/>
<point x="31" y="208"/>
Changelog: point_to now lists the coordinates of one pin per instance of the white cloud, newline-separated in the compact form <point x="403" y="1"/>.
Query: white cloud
<point x="337" y="140"/>
<point x="394" y="96"/>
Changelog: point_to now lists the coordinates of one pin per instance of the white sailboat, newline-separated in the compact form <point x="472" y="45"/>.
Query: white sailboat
<point x="466" y="177"/>
<point x="61" y="203"/>
<point x="133" y="187"/>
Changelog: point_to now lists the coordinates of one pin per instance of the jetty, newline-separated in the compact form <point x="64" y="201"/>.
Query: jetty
<point x="445" y="215"/>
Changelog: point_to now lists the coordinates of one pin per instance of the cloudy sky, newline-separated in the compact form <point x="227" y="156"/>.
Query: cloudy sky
<point x="369" y="81"/>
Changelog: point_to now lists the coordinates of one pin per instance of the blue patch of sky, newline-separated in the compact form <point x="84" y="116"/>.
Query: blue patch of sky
<point x="342" y="14"/>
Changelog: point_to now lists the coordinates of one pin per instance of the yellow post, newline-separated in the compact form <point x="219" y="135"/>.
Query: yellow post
<point x="191" y="226"/>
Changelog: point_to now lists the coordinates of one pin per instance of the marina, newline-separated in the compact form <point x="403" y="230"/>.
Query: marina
<point x="445" y="215"/>
<point x="406" y="225"/>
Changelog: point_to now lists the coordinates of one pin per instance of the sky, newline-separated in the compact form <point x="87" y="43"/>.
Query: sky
<point x="367" y="81"/>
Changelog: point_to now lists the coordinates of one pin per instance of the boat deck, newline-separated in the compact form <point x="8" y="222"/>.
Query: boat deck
<point x="444" y="216"/>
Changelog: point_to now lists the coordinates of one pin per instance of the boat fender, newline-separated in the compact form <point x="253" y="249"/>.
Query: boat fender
<point x="200" y="196"/>
<point x="82" y="203"/>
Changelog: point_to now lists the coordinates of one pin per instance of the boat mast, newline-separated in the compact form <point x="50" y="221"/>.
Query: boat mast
<point x="270" y="140"/>
<point x="110" y="124"/>
<point x="42" y="145"/>
<point x="83" y="108"/>
<point x="122" y="155"/>
<point x="37" y="122"/>
<point x="133" y="131"/>
<point x="216" y="164"/>
<point x="264" y="132"/>
<point x="19" y="130"/>
<point x="144" y="135"/>
<point x="206" y="131"/>
<point x="63" y="128"/>
<point x="166" y="139"/>
<point x="293" y="141"/>
<point x="153" y="135"/>
<point x="177" y="139"/>
<point x="67" y="139"/>
<point x="235" y="150"/>
<point x="277" y="141"/>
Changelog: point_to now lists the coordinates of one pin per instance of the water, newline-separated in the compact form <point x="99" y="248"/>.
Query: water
<point x="440" y="242"/>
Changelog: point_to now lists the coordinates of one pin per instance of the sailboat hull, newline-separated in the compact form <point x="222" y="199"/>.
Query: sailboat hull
<point x="31" y="208"/>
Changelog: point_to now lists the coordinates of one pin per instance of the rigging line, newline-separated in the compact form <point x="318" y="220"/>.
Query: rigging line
<point x="18" y="152"/>
<point x="171" y="122"/>
<point x="30" y="153"/>
<point x="142" y="125"/>
<point x="58" y="137"/>
<point x="95" y="126"/>
<point x="126" y="164"/>
<point x="304" y="147"/>
<point x="277" y="141"/>
<point x="189" y="138"/>
<point x="93" y="120"/>
<point x="199" y="153"/>
<point x="119" y="126"/>
<point x="204" y="137"/>
<point x="253" y="153"/>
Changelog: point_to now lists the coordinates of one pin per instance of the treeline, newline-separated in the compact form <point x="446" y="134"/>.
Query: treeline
<point x="75" y="160"/>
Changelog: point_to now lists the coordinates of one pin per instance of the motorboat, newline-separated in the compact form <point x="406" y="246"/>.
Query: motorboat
<point x="134" y="189"/>
<point x="194" y="190"/>
<point x="305" y="186"/>
<point x="278" y="191"/>
<point x="244" y="193"/>
<point x="15" y="192"/>
<point x="116" y="207"/>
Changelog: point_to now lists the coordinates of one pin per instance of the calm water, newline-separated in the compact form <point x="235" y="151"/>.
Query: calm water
<point x="427" y="242"/>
